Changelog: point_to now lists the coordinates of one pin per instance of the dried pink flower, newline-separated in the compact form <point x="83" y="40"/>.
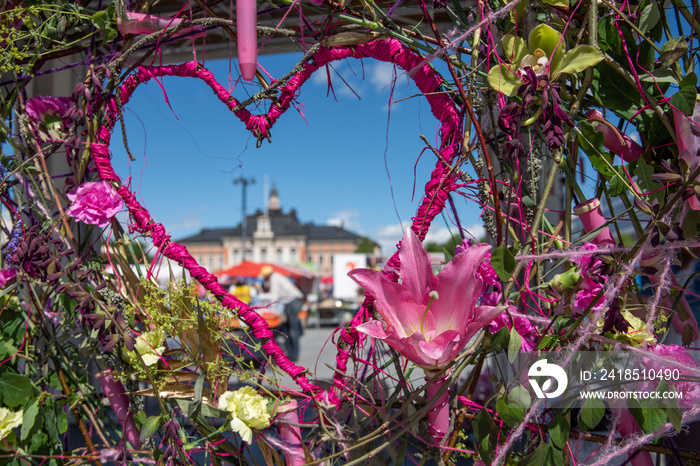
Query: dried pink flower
<point x="5" y="276"/>
<point x="94" y="203"/>
<point x="48" y="110"/>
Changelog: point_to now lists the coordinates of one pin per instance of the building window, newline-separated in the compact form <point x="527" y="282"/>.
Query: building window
<point x="248" y="253"/>
<point x="293" y="254"/>
<point x="263" y="255"/>
<point x="221" y="261"/>
<point x="309" y="258"/>
<point x="279" y="255"/>
<point x="320" y="258"/>
<point x="235" y="256"/>
<point x="210" y="260"/>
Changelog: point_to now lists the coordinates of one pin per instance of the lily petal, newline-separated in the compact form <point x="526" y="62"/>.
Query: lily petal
<point x="483" y="315"/>
<point x="459" y="289"/>
<point x="395" y="303"/>
<point x="416" y="272"/>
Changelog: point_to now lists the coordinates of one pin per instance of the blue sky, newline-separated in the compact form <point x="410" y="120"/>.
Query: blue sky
<point x="348" y="161"/>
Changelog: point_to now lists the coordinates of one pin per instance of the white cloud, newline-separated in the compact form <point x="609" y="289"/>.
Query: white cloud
<point x="389" y="235"/>
<point x="475" y="232"/>
<point x="438" y="234"/>
<point x="348" y="219"/>
<point x="320" y="77"/>
<point x="381" y="75"/>
<point x="339" y="87"/>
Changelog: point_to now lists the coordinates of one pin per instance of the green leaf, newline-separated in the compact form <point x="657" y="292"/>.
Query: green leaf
<point x="673" y="50"/>
<point x="592" y="413"/>
<point x="546" y="342"/>
<point x="675" y="416"/>
<point x="608" y="38"/>
<point x="519" y="397"/>
<point x="590" y="139"/>
<point x="617" y="185"/>
<point x="100" y="19"/>
<point x="149" y="427"/>
<point x="15" y="390"/>
<point x="500" y="339"/>
<point x="615" y="93"/>
<point x="518" y="12"/>
<point x="109" y="34"/>
<point x="559" y="3"/>
<point x="515" y="48"/>
<point x="503" y="80"/>
<point x="28" y="419"/>
<point x="599" y="163"/>
<point x="684" y="99"/>
<point x="510" y="414"/>
<point x="578" y="59"/>
<point x="548" y="40"/>
<point x="514" y="344"/>
<point x="544" y="455"/>
<point x="558" y="429"/>
<point x="649" y="17"/>
<point x="207" y="410"/>
<point x="690" y="79"/>
<point x="483" y="427"/>
<point x="649" y="418"/>
<point x="659" y="76"/>
<point x="503" y="262"/>
<point x="196" y="407"/>
<point x="62" y="422"/>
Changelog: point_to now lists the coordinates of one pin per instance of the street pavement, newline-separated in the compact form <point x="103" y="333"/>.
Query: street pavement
<point x="317" y="351"/>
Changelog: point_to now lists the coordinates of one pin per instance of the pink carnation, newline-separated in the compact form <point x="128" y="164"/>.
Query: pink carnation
<point x="5" y="276"/>
<point x="675" y="358"/>
<point x="527" y="332"/>
<point x="45" y="109"/>
<point x="95" y="203"/>
<point x="588" y="291"/>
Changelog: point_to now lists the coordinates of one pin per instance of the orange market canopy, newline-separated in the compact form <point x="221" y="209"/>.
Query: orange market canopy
<point x="251" y="269"/>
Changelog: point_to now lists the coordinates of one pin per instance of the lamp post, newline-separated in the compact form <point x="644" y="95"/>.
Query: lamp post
<point x="244" y="223"/>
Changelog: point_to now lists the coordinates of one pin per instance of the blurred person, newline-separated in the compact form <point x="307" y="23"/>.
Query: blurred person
<point x="242" y="291"/>
<point x="285" y="294"/>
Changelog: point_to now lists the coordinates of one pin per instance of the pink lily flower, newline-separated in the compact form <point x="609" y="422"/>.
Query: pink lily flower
<point x="427" y="318"/>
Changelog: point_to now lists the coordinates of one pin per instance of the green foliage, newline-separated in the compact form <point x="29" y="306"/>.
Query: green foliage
<point x="366" y="246"/>
<point x="503" y="262"/>
<point x="591" y="413"/>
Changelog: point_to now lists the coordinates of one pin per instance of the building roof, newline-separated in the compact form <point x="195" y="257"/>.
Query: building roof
<point x="328" y="233"/>
<point x="281" y="224"/>
<point x="210" y="235"/>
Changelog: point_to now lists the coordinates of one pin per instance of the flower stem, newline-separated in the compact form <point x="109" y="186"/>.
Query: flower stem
<point x="290" y="431"/>
<point x="439" y="413"/>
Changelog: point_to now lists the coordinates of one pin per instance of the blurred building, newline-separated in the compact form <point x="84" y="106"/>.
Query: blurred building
<point x="273" y="236"/>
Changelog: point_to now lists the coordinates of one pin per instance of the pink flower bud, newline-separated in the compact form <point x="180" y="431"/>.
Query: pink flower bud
<point x="592" y="218"/>
<point x="115" y="393"/>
